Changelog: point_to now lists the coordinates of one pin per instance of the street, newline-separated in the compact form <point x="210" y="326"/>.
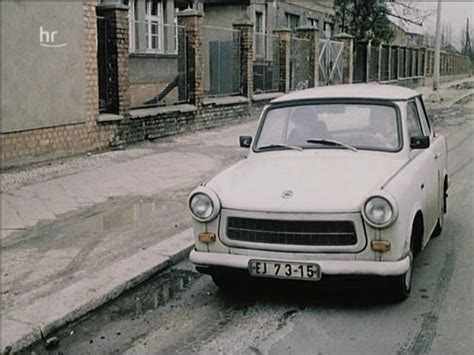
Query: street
<point x="180" y="311"/>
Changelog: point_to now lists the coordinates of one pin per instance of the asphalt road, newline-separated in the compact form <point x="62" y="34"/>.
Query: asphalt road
<point x="183" y="312"/>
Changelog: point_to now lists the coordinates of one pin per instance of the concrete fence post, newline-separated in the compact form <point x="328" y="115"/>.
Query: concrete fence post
<point x="116" y="16"/>
<point x="247" y="36"/>
<point x="347" y="56"/>
<point x="192" y="21"/>
<point x="284" y="35"/>
<point x="389" y="63"/>
<point x="312" y="35"/>
<point x="379" y="71"/>
<point x="368" y="63"/>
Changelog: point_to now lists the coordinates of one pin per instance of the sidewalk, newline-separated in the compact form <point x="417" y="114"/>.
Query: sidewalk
<point x="80" y="231"/>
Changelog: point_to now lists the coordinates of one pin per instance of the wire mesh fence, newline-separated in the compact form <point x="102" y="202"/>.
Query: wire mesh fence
<point x="299" y="63"/>
<point x="385" y="63"/>
<point x="374" y="63"/>
<point x="430" y="63"/>
<point x="105" y="71"/>
<point x="409" y="62"/>
<point x="157" y="64"/>
<point x="360" y="62"/>
<point x="394" y="63"/>
<point x="222" y="62"/>
<point x="266" y="66"/>
<point x="402" y="62"/>
<point x="421" y="62"/>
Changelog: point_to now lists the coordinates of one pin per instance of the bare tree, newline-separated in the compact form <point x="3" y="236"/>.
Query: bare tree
<point x="409" y="11"/>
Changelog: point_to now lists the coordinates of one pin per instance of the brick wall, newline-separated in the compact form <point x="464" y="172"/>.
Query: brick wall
<point x="47" y="143"/>
<point x="161" y="125"/>
<point x="118" y="57"/>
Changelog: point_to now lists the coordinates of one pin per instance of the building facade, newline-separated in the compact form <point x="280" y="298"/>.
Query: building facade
<point x="50" y="93"/>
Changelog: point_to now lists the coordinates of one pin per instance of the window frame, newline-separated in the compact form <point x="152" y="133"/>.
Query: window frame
<point x="262" y="52"/>
<point x="131" y="26"/>
<point x="424" y="116"/>
<point x="154" y="19"/>
<point x="349" y="101"/>
<point x="331" y="28"/>
<point x="313" y="22"/>
<point x="288" y="16"/>
<point x="417" y="118"/>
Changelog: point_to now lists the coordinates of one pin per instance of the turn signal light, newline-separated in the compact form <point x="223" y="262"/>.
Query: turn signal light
<point x="207" y="237"/>
<point x="380" y="245"/>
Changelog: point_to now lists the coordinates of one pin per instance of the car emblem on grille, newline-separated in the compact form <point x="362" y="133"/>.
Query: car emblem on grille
<point x="287" y="194"/>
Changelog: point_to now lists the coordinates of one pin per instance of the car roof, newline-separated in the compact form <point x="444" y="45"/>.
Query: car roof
<point x="351" y="91"/>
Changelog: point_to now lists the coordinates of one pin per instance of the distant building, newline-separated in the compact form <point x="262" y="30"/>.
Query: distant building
<point x="404" y="24"/>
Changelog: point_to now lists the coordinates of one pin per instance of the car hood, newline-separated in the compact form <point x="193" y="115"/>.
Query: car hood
<point x="329" y="182"/>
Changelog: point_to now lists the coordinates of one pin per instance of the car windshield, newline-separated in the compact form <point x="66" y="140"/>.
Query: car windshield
<point x="357" y="125"/>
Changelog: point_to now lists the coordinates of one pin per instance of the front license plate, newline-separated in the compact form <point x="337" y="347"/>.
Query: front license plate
<point x="284" y="270"/>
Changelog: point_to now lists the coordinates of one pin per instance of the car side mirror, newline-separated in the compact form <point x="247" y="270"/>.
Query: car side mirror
<point x="421" y="142"/>
<point x="245" y="141"/>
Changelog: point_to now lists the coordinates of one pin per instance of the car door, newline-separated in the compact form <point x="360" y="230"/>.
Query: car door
<point x="438" y="145"/>
<point x="427" y="160"/>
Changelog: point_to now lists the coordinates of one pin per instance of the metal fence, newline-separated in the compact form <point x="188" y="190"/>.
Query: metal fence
<point x="157" y="64"/>
<point x="266" y="66"/>
<point x="222" y="62"/>
<point x="385" y="63"/>
<point x="330" y="62"/>
<point x="402" y="62"/>
<point x="360" y="62"/>
<point x="299" y="63"/>
<point x="106" y="74"/>
<point x="374" y="63"/>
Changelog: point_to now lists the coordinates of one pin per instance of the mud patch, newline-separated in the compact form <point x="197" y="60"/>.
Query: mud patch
<point x="111" y="327"/>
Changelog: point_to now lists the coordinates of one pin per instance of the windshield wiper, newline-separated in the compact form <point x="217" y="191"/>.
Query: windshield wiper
<point x="271" y="146"/>
<point x="332" y="142"/>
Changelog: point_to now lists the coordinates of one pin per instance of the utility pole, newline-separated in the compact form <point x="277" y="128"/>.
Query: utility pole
<point x="437" y="51"/>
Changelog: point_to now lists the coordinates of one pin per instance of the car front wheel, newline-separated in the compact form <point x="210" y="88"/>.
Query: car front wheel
<point x="439" y="226"/>
<point x="401" y="284"/>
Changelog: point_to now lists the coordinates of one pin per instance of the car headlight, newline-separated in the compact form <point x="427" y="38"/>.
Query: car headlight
<point x="204" y="205"/>
<point x="379" y="212"/>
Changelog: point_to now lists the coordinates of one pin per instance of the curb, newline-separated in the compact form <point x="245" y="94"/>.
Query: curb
<point x="23" y="327"/>
<point x="459" y="100"/>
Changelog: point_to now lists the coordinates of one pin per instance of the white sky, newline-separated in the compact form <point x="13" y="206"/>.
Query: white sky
<point x="452" y="12"/>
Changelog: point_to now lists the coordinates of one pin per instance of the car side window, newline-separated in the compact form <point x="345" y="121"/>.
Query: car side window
<point x="425" y="124"/>
<point x="413" y="120"/>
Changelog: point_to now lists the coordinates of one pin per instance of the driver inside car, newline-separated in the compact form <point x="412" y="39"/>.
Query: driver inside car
<point x="383" y="127"/>
<point x="306" y="125"/>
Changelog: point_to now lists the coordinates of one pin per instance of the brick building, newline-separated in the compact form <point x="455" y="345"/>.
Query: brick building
<point x="50" y="93"/>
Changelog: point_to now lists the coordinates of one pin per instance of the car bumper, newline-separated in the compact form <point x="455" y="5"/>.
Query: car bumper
<point x="329" y="267"/>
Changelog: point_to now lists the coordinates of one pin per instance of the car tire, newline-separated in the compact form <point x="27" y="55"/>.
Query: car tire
<point x="439" y="226"/>
<point x="401" y="284"/>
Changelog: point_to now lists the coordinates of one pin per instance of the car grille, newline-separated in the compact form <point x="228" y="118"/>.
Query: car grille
<point x="315" y="233"/>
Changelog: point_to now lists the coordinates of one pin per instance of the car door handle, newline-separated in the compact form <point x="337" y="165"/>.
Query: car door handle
<point x="437" y="155"/>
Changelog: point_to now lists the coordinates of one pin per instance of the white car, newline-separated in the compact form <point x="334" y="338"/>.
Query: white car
<point x="339" y="180"/>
